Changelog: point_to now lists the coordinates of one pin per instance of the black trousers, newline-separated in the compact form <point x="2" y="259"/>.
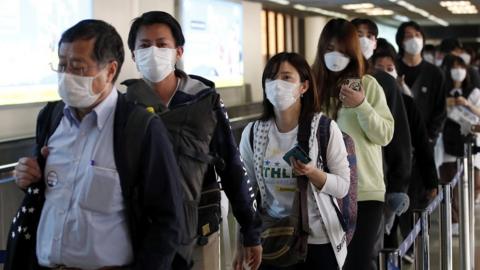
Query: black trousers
<point x="364" y="247"/>
<point x="319" y="257"/>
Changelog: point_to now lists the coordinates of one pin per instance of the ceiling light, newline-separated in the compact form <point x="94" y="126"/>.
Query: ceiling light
<point x="358" y="6"/>
<point x="401" y="18"/>
<point x="300" y="7"/>
<point x="420" y="11"/>
<point x="454" y="3"/>
<point x="459" y="7"/>
<point x="327" y="12"/>
<point x="280" y="2"/>
<point x="375" y="11"/>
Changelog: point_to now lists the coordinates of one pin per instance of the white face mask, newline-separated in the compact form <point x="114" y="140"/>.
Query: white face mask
<point x="393" y="73"/>
<point x="336" y="61"/>
<point x="76" y="91"/>
<point x="429" y="58"/>
<point x="155" y="63"/>
<point x="458" y="74"/>
<point x="466" y="58"/>
<point x="413" y="46"/>
<point x="281" y="94"/>
<point x="438" y="62"/>
<point x="367" y="46"/>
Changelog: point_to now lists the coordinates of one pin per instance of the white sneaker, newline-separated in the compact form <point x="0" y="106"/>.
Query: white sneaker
<point x="455" y="229"/>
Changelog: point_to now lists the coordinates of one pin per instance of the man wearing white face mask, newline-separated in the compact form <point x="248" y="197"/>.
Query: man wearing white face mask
<point x="396" y="155"/>
<point x="92" y="209"/>
<point x="425" y="80"/>
<point x="156" y="42"/>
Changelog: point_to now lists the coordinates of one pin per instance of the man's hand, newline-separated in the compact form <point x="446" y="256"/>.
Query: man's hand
<point x="251" y="256"/>
<point x="27" y="170"/>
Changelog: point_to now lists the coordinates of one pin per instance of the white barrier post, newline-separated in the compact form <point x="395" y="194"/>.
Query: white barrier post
<point x="446" y="228"/>
<point x="471" y="198"/>
<point x="464" y="219"/>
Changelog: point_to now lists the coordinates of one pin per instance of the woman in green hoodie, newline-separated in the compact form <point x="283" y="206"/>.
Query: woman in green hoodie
<point x="363" y="114"/>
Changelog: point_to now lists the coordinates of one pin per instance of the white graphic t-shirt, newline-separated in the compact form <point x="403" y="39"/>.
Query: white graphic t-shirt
<point x="281" y="183"/>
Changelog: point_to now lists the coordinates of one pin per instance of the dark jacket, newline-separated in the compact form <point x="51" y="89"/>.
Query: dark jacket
<point x="153" y="202"/>
<point x="422" y="150"/>
<point x="234" y="180"/>
<point x="397" y="155"/>
<point x="429" y="95"/>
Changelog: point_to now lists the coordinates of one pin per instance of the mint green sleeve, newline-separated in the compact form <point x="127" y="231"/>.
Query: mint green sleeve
<point x="373" y="114"/>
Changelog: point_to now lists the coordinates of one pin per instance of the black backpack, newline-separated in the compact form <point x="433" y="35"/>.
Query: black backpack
<point x="191" y="127"/>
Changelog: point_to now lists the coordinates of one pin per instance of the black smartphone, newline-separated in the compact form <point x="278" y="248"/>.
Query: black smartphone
<point x="298" y="153"/>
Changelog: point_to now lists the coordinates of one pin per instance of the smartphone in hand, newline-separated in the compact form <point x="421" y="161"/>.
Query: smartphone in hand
<point x="353" y="83"/>
<point x="298" y="153"/>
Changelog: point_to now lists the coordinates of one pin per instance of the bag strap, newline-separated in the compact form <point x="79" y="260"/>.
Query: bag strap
<point x="135" y="129"/>
<point x="323" y="136"/>
<point x="303" y="136"/>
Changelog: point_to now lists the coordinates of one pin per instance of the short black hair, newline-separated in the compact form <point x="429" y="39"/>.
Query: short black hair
<point x="401" y="34"/>
<point x="154" y="17"/>
<point x="108" y="43"/>
<point x="372" y="26"/>
<point x="429" y="48"/>
<point x="449" y="44"/>
<point x="384" y="49"/>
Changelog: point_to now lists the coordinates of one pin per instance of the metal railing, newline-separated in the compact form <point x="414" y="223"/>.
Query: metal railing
<point x="391" y="259"/>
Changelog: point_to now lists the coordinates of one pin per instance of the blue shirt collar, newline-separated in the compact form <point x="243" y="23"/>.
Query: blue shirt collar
<point x="101" y="112"/>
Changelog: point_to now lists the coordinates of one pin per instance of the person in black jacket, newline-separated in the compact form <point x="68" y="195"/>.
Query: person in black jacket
<point x="156" y="42"/>
<point x="96" y="211"/>
<point x="425" y="80"/>
<point x="384" y="59"/>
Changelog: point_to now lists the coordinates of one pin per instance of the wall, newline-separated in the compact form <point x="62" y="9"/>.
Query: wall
<point x="313" y="28"/>
<point x="252" y="44"/>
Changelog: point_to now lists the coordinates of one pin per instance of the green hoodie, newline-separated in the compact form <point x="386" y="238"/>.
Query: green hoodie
<point x="371" y="125"/>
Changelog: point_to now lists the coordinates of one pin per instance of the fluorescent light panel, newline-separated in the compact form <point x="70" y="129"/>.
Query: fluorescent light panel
<point x="280" y="2"/>
<point x="320" y="11"/>
<point x="420" y="11"/>
<point x="459" y="7"/>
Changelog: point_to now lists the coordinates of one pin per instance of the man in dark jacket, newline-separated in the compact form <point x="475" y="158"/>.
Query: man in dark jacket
<point x="156" y="42"/>
<point x="97" y="212"/>
<point x="425" y="80"/>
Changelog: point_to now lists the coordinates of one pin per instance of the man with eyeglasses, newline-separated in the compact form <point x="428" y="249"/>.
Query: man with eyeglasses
<point x="93" y="215"/>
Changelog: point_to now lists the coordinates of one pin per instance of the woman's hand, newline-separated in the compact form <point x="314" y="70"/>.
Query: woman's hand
<point x="300" y="168"/>
<point x="351" y="98"/>
<point x="462" y="101"/>
<point x="314" y="174"/>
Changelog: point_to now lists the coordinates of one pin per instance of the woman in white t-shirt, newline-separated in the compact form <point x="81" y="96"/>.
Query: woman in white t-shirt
<point x="460" y="94"/>
<point x="290" y="96"/>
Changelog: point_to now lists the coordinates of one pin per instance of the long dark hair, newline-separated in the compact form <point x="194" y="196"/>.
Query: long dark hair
<point x="344" y="32"/>
<point x="310" y="102"/>
<point x="448" y="62"/>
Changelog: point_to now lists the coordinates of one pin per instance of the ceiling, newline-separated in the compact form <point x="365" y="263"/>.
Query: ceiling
<point x="431" y="6"/>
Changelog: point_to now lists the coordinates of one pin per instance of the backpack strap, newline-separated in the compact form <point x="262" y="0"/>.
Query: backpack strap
<point x="47" y="124"/>
<point x="135" y="129"/>
<point x="303" y="137"/>
<point x="323" y="136"/>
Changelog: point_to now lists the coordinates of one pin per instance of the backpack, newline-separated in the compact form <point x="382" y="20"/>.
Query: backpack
<point x="21" y="252"/>
<point x="347" y="206"/>
<point x="191" y="127"/>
